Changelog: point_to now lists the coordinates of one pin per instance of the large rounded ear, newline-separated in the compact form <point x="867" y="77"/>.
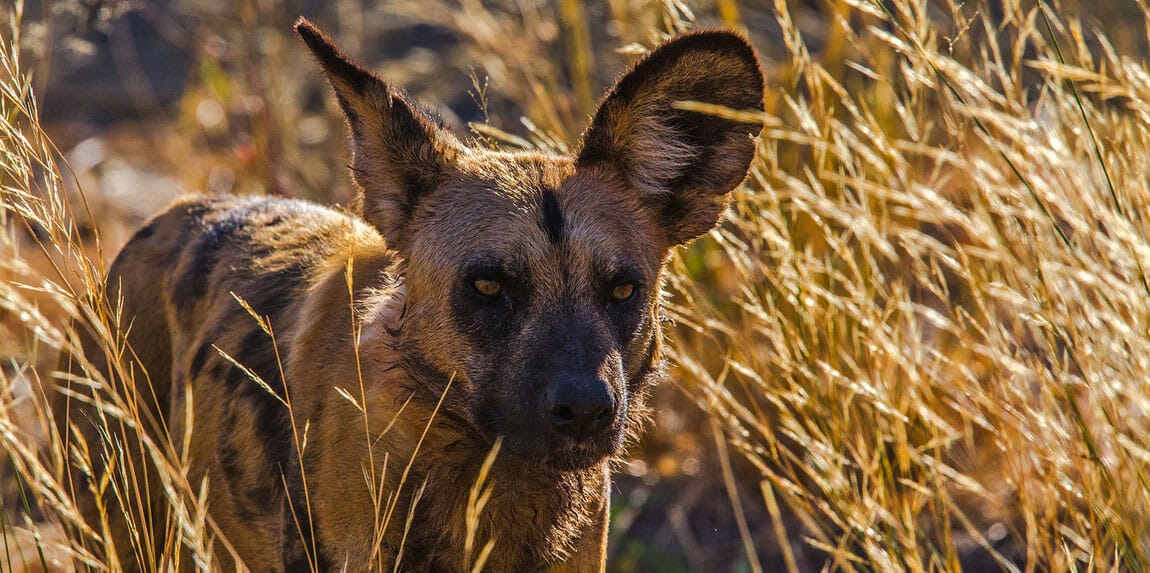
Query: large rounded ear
<point x="400" y="151"/>
<point x="684" y="163"/>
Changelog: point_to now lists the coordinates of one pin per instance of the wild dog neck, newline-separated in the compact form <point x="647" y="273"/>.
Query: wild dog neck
<point x="527" y="510"/>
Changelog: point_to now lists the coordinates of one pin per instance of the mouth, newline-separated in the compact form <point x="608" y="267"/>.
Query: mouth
<point x="569" y="454"/>
<point x="563" y="454"/>
<point x="577" y="457"/>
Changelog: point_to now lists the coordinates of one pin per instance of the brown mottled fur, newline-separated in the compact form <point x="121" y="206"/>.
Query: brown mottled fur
<point x="558" y="235"/>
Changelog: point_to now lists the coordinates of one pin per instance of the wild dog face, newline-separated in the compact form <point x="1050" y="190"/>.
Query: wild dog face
<point x="535" y="279"/>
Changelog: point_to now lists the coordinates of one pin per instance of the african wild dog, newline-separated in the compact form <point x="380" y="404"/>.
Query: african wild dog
<point x="528" y="282"/>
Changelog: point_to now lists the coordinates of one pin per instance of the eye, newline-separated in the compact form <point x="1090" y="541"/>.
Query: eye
<point x="623" y="292"/>
<point x="488" y="287"/>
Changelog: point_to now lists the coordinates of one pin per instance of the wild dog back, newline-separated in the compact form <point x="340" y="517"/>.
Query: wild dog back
<point x="513" y="296"/>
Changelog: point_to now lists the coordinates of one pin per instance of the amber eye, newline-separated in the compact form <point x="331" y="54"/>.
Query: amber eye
<point x="488" y="287"/>
<point x="623" y="292"/>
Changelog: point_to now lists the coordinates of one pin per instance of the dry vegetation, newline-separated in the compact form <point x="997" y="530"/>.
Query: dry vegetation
<point x="921" y="342"/>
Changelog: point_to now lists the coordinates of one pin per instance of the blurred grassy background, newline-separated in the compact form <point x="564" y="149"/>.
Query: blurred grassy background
<point x="917" y="344"/>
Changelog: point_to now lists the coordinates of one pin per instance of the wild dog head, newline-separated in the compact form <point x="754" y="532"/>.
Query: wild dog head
<point x="536" y="278"/>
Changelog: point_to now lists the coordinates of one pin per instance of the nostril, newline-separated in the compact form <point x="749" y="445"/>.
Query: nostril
<point x="562" y="415"/>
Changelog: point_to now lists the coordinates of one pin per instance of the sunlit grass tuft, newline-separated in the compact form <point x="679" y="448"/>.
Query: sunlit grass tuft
<point x="935" y="319"/>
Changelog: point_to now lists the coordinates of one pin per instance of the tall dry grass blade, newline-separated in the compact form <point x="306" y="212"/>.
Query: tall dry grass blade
<point x="780" y="528"/>
<point x="733" y="495"/>
<point x="477" y="499"/>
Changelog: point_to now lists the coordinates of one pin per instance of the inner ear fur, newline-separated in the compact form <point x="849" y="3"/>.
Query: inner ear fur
<point x="683" y="163"/>
<point x="400" y="150"/>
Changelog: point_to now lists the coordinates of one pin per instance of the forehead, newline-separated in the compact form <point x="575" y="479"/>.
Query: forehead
<point x="530" y="210"/>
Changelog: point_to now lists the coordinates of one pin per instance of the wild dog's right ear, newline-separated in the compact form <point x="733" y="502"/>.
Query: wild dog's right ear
<point x="682" y="163"/>
<point x="400" y="151"/>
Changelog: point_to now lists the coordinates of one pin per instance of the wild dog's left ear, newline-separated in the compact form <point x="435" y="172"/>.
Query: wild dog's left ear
<point x="401" y="152"/>
<point x="684" y="163"/>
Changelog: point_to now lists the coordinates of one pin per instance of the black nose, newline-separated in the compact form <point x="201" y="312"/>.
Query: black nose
<point x="580" y="407"/>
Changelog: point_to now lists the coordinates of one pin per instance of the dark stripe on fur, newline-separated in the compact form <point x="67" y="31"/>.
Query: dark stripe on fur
<point x="192" y="280"/>
<point x="552" y="221"/>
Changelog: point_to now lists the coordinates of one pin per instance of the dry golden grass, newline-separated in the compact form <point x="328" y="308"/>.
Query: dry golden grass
<point x="921" y="342"/>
